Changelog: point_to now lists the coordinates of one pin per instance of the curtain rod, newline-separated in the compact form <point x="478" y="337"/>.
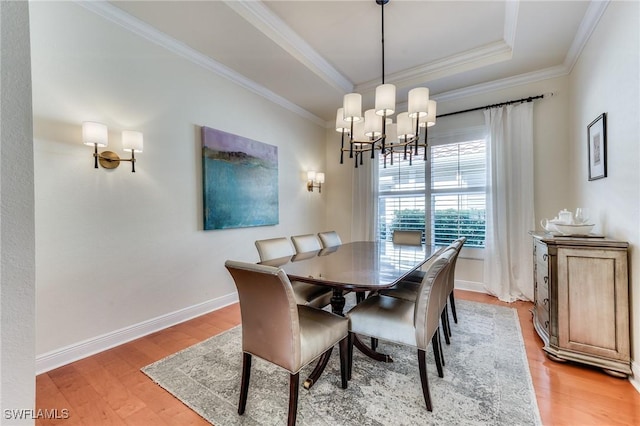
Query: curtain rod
<point x="529" y="99"/>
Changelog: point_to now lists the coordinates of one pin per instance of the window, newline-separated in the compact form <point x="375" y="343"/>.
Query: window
<point x="451" y="200"/>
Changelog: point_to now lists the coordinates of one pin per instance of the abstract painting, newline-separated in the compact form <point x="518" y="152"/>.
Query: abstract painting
<point x="240" y="181"/>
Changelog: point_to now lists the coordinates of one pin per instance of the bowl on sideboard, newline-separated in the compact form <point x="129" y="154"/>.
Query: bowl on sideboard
<point x="565" y="229"/>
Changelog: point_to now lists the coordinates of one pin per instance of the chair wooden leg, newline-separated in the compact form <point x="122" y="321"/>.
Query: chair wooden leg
<point x="445" y="325"/>
<point x="374" y="343"/>
<point x="441" y="348"/>
<point x="244" y="384"/>
<point x="344" y="361"/>
<point x="436" y="354"/>
<point x="360" y="296"/>
<point x="350" y="365"/>
<point x="453" y="307"/>
<point x="446" y="314"/>
<point x="422" y="364"/>
<point x="294" y="384"/>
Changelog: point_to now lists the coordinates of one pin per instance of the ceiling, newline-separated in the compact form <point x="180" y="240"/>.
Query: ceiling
<point x="305" y="55"/>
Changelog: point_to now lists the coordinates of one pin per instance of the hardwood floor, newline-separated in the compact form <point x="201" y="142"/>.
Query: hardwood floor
<point x="109" y="389"/>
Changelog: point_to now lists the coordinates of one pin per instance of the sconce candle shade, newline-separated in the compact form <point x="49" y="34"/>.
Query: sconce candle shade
<point x="314" y="178"/>
<point x="132" y="141"/>
<point x="95" y="134"/>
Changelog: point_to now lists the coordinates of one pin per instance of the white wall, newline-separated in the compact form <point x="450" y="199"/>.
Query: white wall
<point x="113" y="248"/>
<point x="17" y="247"/>
<point x="606" y="79"/>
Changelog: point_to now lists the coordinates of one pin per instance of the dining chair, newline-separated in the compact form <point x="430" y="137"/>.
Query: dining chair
<point x="306" y="293"/>
<point x="406" y="323"/>
<point x="408" y="290"/>
<point x="458" y="244"/>
<point x="305" y="243"/>
<point x="409" y="238"/>
<point x="329" y="239"/>
<point x="280" y="331"/>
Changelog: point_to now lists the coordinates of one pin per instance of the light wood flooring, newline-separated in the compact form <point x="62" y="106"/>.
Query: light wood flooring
<point x="109" y="389"/>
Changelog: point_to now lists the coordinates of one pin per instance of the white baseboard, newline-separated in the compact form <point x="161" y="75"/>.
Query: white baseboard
<point x="65" y="355"/>
<point x="635" y="370"/>
<point x="470" y="286"/>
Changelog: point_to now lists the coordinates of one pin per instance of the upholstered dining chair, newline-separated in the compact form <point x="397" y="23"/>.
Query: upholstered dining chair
<point x="409" y="238"/>
<point x="279" y="330"/>
<point x="407" y="323"/>
<point x="306" y="293"/>
<point x="458" y="244"/>
<point x="329" y="239"/>
<point x="408" y="290"/>
<point x="305" y="243"/>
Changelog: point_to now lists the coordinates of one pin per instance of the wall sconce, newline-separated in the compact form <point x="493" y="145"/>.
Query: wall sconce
<point x="96" y="134"/>
<point x="313" y="178"/>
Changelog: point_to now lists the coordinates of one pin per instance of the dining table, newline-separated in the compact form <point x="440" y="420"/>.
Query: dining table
<point x="359" y="267"/>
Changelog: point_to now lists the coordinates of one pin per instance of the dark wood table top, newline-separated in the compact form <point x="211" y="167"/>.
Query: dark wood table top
<point x="361" y="265"/>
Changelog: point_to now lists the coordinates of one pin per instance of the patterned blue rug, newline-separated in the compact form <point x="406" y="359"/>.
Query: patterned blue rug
<point x="486" y="381"/>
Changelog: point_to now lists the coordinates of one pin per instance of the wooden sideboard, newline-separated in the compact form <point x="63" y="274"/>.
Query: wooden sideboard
<point x="581" y="309"/>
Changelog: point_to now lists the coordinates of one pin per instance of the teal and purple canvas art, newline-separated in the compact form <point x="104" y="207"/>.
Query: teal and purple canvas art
<point x="240" y="181"/>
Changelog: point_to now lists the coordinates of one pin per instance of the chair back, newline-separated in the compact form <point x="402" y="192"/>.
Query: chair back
<point x="274" y="248"/>
<point x="270" y="322"/>
<point x="305" y="243"/>
<point x="329" y="239"/>
<point x="457" y="246"/>
<point x="429" y="302"/>
<point x="413" y="238"/>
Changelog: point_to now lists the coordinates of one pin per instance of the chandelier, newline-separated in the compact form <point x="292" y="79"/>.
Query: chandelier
<point x="376" y="131"/>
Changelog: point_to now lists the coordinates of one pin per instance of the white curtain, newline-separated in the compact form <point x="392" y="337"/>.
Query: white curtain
<point x="508" y="270"/>
<point x="364" y="218"/>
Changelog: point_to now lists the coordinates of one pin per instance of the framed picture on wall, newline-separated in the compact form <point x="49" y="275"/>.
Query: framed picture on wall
<point x="597" y="147"/>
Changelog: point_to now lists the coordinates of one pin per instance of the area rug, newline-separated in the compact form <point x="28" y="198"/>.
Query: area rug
<point x="486" y="381"/>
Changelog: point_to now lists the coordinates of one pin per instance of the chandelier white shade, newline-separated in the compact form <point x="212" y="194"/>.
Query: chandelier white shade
<point x="385" y="99"/>
<point x="418" y="102"/>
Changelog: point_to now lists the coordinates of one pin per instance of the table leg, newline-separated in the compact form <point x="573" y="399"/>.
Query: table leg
<point x="369" y="352"/>
<point x="317" y="371"/>
<point x="337" y="302"/>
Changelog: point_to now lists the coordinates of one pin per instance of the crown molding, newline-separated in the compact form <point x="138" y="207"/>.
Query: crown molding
<point x="587" y="26"/>
<point x="491" y="53"/>
<point x="495" y="52"/>
<point x="504" y="83"/>
<point x="136" y="26"/>
<point x="262" y="18"/>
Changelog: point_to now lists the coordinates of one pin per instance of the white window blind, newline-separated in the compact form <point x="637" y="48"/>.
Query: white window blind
<point x="401" y="203"/>
<point x="458" y="192"/>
